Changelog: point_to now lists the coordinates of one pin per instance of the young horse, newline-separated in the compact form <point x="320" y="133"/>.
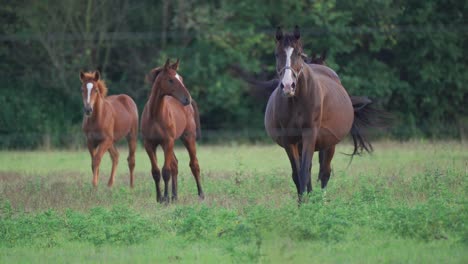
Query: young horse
<point x="107" y="119"/>
<point x="169" y="114"/>
<point x="309" y="111"/>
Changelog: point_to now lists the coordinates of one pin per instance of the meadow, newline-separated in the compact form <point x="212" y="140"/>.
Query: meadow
<point x="405" y="203"/>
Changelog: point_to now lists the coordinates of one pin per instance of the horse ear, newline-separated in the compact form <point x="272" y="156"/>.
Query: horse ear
<point x="297" y="33"/>
<point x="166" y="65"/>
<point x="97" y="76"/>
<point x="279" y="33"/>
<point x="82" y="76"/>
<point x="324" y="55"/>
<point x="175" y="66"/>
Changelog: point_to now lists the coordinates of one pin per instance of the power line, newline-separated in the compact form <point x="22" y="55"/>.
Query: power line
<point x="177" y="34"/>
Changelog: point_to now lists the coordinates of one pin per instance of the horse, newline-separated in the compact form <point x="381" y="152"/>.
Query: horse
<point x="170" y="113"/>
<point x="106" y="120"/>
<point x="316" y="58"/>
<point x="309" y="111"/>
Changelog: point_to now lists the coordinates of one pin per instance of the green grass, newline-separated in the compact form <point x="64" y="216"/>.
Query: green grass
<point x="406" y="203"/>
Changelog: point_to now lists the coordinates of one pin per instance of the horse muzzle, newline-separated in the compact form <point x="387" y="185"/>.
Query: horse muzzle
<point x="288" y="90"/>
<point x="186" y="101"/>
<point x="88" y="110"/>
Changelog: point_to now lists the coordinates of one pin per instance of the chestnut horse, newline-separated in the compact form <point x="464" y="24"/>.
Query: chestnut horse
<point x="309" y="111"/>
<point x="107" y="119"/>
<point x="169" y="114"/>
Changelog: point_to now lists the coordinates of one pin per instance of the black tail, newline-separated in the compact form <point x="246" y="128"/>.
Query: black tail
<point x="365" y="117"/>
<point x="261" y="89"/>
<point x="197" y="119"/>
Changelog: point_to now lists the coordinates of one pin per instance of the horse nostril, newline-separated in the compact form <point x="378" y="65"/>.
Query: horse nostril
<point x="293" y="85"/>
<point x="88" y="110"/>
<point x="282" y="85"/>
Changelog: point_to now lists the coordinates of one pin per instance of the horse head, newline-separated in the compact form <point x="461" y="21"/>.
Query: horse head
<point x="166" y="81"/>
<point x="289" y="61"/>
<point x="92" y="87"/>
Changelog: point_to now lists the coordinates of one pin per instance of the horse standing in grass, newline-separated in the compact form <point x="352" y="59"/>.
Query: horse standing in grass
<point x="169" y="114"/>
<point x="107" y="119"/>
<point x="310" y="111"/>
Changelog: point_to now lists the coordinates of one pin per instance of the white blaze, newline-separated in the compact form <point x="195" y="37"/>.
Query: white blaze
<point x="89" y="86"/>
<point x="178" y="77"/>
<point x="287" y="77"/>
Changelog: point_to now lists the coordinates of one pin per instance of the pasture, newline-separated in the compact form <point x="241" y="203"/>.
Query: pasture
<point x="406" y="203"/>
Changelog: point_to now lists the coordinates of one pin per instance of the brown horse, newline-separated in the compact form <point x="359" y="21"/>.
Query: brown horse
<point x="169" y="114"/>
<point x="309" y="111"/>
<point x="107" y="119"/>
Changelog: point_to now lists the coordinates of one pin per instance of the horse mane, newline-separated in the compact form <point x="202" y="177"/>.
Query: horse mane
<point x="101" y="84"/>
<point x="102" y="88"/>
<point x="151" y="76"/>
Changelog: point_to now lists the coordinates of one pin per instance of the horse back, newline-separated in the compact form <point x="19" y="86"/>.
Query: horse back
<point x="324" y="70"/>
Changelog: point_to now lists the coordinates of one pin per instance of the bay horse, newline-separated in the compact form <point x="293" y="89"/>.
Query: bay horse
<point x="309" y="111"/>
<point x="169" y="114"/>
<point x="107" y="119"/>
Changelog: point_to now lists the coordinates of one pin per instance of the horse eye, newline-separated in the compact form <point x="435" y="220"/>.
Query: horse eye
<point x="171" y="81"/>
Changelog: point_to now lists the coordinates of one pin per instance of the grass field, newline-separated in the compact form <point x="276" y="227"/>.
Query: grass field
<point x="406" y="203"/>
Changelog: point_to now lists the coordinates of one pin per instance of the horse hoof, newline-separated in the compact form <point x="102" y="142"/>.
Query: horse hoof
<point x="163" y="200"/>
<point x="201" y="197"/>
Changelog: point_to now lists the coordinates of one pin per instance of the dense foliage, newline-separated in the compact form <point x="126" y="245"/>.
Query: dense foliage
<point x="410" y="56"/>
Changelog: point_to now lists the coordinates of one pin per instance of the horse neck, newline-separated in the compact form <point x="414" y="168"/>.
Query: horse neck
<point x="306" y="84"/>
<point x="155" y="102"/>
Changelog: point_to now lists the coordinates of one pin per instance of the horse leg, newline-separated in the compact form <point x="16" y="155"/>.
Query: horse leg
<point x="168" y="148"/>
<point x="293" y="155"/>
<point x="309" y="185"/>
<point x="114" y="153"/>
<point x="175" y="172"/>
<point x="325" y="158"/>
<point x="308" y="148"/>
<point x="190" y="145"/>
<point x="132" y="142"/>
<point x="92" y="148"/>
<point x="103" y="147"/>
<point x="151" y="151"/>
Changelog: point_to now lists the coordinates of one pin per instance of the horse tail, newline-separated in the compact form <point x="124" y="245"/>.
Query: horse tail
<point x="260" y="88"/>
<point x="197" y="119"/>
<point x="365" y="116"/>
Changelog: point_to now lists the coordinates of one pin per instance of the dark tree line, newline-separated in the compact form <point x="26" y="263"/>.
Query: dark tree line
<point x="410" y="56"/>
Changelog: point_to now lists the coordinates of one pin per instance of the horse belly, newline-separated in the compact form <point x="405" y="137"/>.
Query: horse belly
<point x="337" y="119"/>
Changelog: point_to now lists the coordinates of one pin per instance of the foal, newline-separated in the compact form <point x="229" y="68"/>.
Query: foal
<point x="169" y="114"/>
<point x="107" y="119"/>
